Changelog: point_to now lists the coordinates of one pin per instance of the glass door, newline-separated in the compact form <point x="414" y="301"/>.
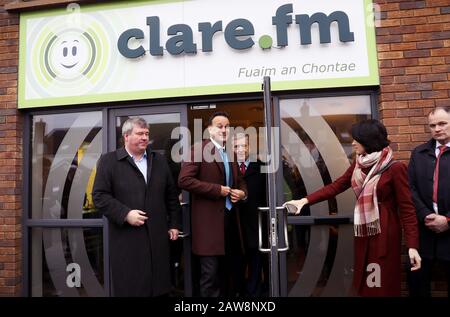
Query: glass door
<point x="65" y="238"/>
<point x="315" y="149"/>
<point x="163" y="122"/>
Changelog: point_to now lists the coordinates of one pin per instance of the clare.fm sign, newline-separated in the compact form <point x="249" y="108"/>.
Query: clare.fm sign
<point x="156" y="49"/>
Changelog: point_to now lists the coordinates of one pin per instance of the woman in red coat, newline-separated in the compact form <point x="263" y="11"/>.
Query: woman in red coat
<point x="383" y="207"/>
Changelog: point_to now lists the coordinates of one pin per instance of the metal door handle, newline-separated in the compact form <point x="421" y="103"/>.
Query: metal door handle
<point x="286" y="240"/>
<point x="182" y="235"/>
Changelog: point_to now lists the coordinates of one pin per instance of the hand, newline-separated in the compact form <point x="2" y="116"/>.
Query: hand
<point x="298" y="204"/>
<point x="136" y="217"/>
<point x="437" y="223"/>
<point x="224" y="191"/>
<point x="236" y="195"/>
<point x="414" y="259"/>
<point x="173" y="234"/>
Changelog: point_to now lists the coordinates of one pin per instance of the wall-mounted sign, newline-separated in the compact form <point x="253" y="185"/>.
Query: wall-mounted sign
<point x="156" y="49"/>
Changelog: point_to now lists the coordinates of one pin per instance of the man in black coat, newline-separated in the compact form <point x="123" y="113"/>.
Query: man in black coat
<point x="135" y="190"/>
<point x="429" y="177"/>
<point x="256" y="263"/>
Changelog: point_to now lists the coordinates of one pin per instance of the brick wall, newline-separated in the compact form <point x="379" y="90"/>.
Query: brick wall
<point x="10" y="157"/>
<point x="413" y="43"/>
<point x="414" y="58"/>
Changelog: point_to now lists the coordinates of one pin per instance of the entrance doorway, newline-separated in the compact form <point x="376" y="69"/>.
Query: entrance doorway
<point x="242" y="114"/>
<point x="63" y="227"/>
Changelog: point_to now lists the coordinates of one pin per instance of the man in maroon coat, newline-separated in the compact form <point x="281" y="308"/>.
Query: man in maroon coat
<point x="215" y="186"/>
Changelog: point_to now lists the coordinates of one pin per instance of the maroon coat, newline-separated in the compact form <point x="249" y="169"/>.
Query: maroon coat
<point x="396" y="211"/>
<point x="204" y="180"/>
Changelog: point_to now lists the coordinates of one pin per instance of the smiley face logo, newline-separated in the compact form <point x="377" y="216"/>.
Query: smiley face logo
<point x="71" y="58"/>
<point x="70" y="55"/>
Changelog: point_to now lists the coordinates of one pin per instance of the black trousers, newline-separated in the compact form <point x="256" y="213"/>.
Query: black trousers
<point x="420" y="281"/>
<point x="224" y="275"/>
<point x="257" y="265"/>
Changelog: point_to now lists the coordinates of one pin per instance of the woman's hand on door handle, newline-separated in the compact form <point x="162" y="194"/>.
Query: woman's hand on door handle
<point x="295" y="206"/>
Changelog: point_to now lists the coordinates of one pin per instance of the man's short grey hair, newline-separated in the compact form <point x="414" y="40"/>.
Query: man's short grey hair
<point x="131" y="123"/>
<point x="446" y="109"/>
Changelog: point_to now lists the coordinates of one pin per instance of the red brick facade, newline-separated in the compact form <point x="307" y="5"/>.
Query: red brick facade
<point x="413" y="45"/>
<point x="11" y="152"/>
<point x="10" y="157"/>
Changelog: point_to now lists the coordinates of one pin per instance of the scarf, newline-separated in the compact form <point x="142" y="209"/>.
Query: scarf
<point x="367" y="215"/>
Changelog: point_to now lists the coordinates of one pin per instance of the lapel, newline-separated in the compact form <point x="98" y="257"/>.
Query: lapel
<point x="217" y="158"/>
<point x="251" y="169"/>
<point x="123" y="154"/>
<point x="150" y="156"/>
<point x="429" y="150"/>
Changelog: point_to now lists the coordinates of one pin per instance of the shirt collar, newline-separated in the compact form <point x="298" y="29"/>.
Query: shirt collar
<point x="246" y="162"/>
<point x="217" y="145"/>
<point x="144" y="157"/>
<point x="439" y="144"/>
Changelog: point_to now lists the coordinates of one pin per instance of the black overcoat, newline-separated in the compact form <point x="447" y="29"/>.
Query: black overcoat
<point x="139" y="256"/>
<point x="420" y="172"/>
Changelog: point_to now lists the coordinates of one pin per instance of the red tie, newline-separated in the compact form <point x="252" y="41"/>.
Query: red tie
<point x="436" y="172"/>
<point x="243" y="168"/>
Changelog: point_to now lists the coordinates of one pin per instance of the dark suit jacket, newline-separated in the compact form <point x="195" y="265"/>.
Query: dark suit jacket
<point x="248" y="210"/>
<point x="203" y="180"/>
<point x="421" y="171"/>
<point x="139" y="255"/>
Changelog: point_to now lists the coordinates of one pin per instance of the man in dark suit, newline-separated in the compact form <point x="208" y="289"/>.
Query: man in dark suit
<point x="256" y="263"/>
<point x="429" y="177"/>
<point x="213" y="180"/>
<point x="135" y="190"/>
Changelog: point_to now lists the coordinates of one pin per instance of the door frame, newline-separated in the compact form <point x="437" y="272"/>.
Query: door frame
<point x="28" y="223"/>
<point x="186" y="221"/>
<point x="307" y="220"/>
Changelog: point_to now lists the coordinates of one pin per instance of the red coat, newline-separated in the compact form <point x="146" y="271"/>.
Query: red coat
<point x="203" y="180"/>
<point x="396" y="211"/>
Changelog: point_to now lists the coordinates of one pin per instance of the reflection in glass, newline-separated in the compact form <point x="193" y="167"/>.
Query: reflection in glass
<point x="65" y="150"/>
<point x="160" y="128"/>
<point x="316" y="149"/>
<point x="59" y="251"/>
<point x="296" y="259"/>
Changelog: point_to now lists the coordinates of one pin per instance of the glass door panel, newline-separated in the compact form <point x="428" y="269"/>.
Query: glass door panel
<point x="316" y="150"/>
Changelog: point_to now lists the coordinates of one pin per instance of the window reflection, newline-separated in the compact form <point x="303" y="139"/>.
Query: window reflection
<point x="160" y="128"/>
<point x="316" y="149"/>
<point x="65" y="149"/>
<point x="57" y="256"/>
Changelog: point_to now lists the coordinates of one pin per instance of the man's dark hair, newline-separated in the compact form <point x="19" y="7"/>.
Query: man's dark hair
<point x="218" y="114"/>
<point x="371" y="134"/>
<point x="446" y="109"/>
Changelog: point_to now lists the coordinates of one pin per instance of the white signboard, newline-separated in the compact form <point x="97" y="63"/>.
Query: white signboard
<point x="154" y="49"/>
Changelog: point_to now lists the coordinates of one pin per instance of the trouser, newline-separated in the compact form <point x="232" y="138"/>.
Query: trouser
<point x="257" y="266"/>
<point x="224" y="275"/>
<point x="420" y="281"/>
